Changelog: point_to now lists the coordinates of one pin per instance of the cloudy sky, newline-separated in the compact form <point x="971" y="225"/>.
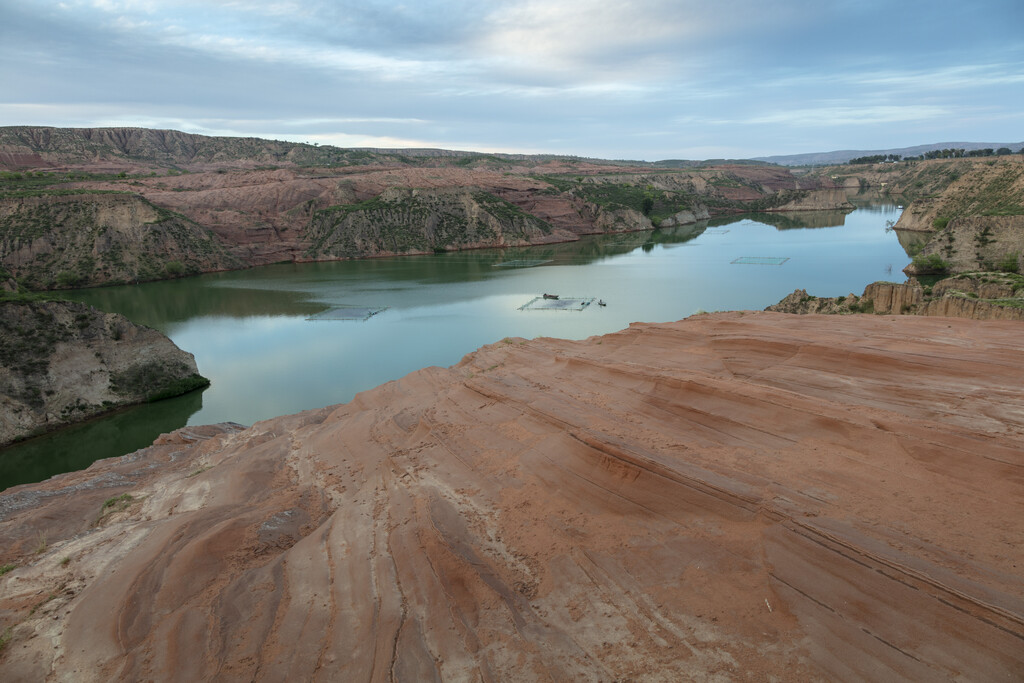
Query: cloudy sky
<point x="637" y="79"/>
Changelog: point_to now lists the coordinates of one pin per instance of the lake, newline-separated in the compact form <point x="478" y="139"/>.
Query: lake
<point x="252" y="334"/>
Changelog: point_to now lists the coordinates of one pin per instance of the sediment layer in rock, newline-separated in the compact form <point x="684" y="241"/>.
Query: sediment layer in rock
<point x="741" y="495"/>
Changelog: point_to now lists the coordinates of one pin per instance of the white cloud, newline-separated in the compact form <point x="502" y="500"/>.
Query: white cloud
<point x="848" y="115"/>
<point x="946" y="78"/>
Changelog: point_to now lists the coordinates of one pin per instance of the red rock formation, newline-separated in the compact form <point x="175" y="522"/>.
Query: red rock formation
<point x="741" y="495"/>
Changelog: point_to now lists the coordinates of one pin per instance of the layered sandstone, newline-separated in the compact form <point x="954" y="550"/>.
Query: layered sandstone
<point x="740" y="495"/>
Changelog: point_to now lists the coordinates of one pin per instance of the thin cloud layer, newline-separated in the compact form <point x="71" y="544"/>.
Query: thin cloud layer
<point x="649" y="79"/>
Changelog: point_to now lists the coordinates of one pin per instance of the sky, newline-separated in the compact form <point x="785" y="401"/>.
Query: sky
<point x="614" y="79"/>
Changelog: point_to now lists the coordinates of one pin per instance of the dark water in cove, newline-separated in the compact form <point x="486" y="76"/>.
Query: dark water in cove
<point x="251" y="334"/>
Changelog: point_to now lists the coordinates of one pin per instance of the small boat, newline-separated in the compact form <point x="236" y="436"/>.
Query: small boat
<point x="600" y="302"/>
<point x="550" y="296"/>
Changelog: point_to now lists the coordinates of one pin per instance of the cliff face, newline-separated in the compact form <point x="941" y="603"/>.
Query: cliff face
<point x="78" y="240"/>
<point x="981" y="296"/>
<point x="977" y="242"/>
<point x="419" y="221"/>
<point x="64" y="362"/>
<point x="735" y="495"/>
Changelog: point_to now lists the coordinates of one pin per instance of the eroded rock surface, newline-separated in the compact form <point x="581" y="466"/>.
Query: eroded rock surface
<point x="740" y="495"/>
<point x="980" y="296"/>
<point x="64" y="362"/>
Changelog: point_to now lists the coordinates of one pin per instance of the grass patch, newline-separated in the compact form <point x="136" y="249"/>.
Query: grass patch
<point x="6" y="637"/>
<point x="6" y="568"/>
<point x="932" y="263"/>
<point x="118" y="502"/>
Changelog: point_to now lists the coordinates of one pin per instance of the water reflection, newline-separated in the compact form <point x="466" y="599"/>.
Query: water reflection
<point x="250" y="334"/>
<point x="159" y="304"/>
<point x="78" y="446"/>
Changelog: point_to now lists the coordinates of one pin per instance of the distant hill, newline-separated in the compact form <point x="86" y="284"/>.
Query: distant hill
<point x="843" y="155"/>
<point x="39" y="147"/>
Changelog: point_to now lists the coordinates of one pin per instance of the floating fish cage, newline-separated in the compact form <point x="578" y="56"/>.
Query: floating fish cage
<point x="348" y="313"/>
<point x="563" y="303"/>
<point x="761" y="260"/>
<point x="716" y="231"/>
<point x="522" y="263"/>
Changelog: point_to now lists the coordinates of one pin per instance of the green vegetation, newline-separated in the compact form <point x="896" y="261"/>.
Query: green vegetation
<point x="863" y="306"/>
<point x="199" y="470"/>
<point x="931" y="263"/>
<point x="614" y="193"/>
<point x="156" y="381"/>
<point x="1010" y="263"/>
<point x="79" y="249"/>
<point x="29" y="334"/>
<point x="117" y="502"/>
<point x="6" y="568"/>
<point x="507" y="212"/>
<point x="179" y="387"/>
<point x="415" y="222"/>
<point x="174" y="269"/>
<point x="6" y="637"/>
<point x="875" y="159"/>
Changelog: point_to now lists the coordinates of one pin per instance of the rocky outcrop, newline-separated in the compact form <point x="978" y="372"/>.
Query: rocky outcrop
<point x="892" y="297"/>
<point x="812" y="200"/>
<point x="735" y="495"/>
<point x="686" y="217"/>
<point x="64" y="362"/>
<point x="954" y="306"/>
<point x="88" y="239"/>
<point x="981" y="285"/>
<point x="982" y="296"/>
<point x="801" y="302"/>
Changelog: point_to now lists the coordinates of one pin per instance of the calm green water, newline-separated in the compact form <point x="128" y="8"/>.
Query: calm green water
<point x="251" y="336"/>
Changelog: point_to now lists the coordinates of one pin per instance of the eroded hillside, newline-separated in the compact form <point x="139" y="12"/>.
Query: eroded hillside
<point x="962" y="215"/>
<point x="232" y="202"/>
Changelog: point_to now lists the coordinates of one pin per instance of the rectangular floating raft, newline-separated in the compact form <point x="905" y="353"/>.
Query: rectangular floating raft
<point x="761" y="260"/>
<point x="522" y="263"/>
<point x="560" y="304"/>
<point x="348" y="313"/>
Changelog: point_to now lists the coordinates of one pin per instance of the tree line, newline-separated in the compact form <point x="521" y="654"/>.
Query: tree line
<point x="935" y="154"/>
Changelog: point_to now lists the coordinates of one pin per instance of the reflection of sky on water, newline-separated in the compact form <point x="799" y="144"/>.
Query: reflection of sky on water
<point x="441" y="307"/>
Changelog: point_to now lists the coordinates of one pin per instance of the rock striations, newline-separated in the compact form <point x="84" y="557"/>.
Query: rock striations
<point x="739" y="495"/>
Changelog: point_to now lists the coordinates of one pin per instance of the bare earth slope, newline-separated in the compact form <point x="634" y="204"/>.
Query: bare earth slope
<point x="733" y="496"/>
